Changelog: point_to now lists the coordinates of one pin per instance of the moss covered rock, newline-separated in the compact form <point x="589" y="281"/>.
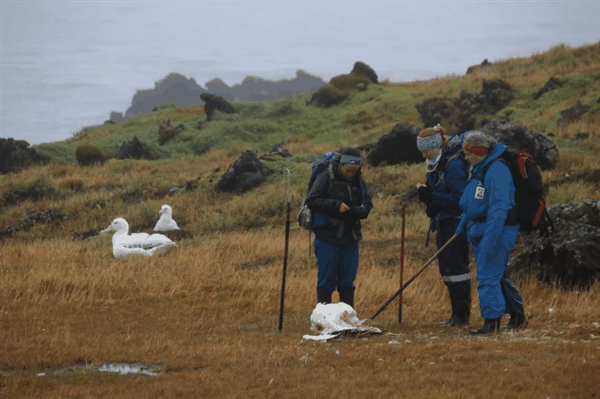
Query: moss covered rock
<point x="89" y="154"/>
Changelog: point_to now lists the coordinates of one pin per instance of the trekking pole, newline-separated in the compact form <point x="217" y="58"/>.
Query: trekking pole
<point x="287" y="242"/>
<point x="401" y="261"/>
<point x="442" y="249"/>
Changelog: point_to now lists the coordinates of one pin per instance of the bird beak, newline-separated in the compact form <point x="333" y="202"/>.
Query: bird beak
<point x="106" y="230"/>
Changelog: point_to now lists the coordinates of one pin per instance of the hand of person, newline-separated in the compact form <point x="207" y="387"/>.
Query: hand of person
<point x="425" y="194"/>
<point x="344" y="208"/>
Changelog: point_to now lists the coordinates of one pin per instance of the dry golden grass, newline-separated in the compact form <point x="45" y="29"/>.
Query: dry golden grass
<point x="206" y="314"/>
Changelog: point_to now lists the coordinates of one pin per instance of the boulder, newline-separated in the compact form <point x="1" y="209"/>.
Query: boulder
<point x="51" y="215"/>
<point x="360" y="68"/>
<point x="572" y="114"/>
<point x="551" y="84"/>
<point x="327" y="96"/>
<point x="166" y="132"/>
<point x="135" y="149"/>
<point x="569" y="255"/>
<point x="543" y="150"/>
<point x="88" y="155"/>
<point x="214" y="103"/>
<point x="474" y="68"/>
<point x="16" y="155"/>
<point x="396" y="147"/>
<point x="246" y="173"/>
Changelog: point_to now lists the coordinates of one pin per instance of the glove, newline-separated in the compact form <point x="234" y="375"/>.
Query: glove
<point x="425" y="194"/>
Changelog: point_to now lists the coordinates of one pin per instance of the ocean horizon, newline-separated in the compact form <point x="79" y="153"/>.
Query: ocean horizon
<point x="68" y="65"/>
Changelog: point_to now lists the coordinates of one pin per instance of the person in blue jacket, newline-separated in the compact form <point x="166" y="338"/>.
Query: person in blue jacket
<point x="490" y="224"/>
<point x="447" y="173"/>
<point x="339" y="200"/>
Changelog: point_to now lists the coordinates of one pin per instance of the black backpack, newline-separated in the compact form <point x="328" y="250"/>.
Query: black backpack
<point x="530" y="208"/>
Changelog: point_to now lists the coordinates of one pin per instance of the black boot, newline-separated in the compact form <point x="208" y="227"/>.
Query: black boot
<point x="517" y="319"/>
<point x="489" y="326"/>
<point x="460" y="298"/>
<point x="347" y="297"/>
<point x="323" y="297"/>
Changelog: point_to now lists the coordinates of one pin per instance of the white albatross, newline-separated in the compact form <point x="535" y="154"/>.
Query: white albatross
<point x="144" y="244"/>
<point x="331" y="319"/>
<point x="166" y="222"/>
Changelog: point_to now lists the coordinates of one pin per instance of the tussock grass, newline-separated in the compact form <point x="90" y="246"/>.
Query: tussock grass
<point x="207" y="313"/>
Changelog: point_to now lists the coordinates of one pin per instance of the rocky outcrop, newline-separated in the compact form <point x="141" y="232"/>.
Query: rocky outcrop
<point x="166" y="132"/>
<point x="51" y="215"/>
<point x="551" y="84"/>
<point x="214" y="103"/>
<point x="135" y="149"/>
<point x="543" y="150"/>
<point x="16" y="155"/>
<point x="246" y="173"/>
<point x="360" y="68"/>
<point x="475" y="68"/>
<point x="183" y="92"/>
<point x="457" y="115"/>
<point x="327" y="96"/>
<point x="396" y="147"/>
<point x="572" y="114"/>
<point x="569" y="254"/>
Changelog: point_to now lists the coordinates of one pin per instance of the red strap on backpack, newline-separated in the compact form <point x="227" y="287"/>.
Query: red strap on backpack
<point x="523" y="156"/>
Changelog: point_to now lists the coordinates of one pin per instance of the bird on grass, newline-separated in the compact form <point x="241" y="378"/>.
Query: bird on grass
<point x="137" y="244"/>
<point x="166" y="222"/>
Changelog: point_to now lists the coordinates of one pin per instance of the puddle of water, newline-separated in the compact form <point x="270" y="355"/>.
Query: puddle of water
<point x="129" y="368"/>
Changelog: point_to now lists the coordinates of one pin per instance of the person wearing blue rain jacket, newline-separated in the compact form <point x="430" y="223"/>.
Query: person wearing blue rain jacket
<point x="447" y="173"/>
<point x="490" y="224"/>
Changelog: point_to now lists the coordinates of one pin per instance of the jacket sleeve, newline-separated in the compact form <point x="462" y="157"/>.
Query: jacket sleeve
<point x="455" y="180"/>
<point x="498" y="181"/>
<point x="317" y="200"/>
<point x="362" y="212"/>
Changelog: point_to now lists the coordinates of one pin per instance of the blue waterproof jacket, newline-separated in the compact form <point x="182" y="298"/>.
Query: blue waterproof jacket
<point x="485" y="203"/>
<point x="448" y="183"/>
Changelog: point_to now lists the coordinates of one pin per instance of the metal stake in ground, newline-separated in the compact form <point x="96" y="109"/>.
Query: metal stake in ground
<point x="442" y="249"/>
<point x="401" y="261"/>
<point x="286" y="176"/>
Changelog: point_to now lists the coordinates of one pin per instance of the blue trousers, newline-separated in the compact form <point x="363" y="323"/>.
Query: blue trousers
<point x="338" y="265"/>
<point x="497" y="293"/>
<point x="454" y="261"/>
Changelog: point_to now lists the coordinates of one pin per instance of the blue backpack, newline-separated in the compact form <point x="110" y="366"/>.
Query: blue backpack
<point x="320" y="164"/>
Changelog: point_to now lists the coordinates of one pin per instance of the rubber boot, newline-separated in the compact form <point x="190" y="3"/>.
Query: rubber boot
<point x="347" y="297"/>
<point x="517" y="319"/>
<point x="489" y="326"/>
<point x="462" y="314"/>
<point x="323" y="297"/>
<point x="460" y="299"/>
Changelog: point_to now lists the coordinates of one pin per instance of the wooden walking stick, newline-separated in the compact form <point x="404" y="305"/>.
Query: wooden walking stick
<point x="403" y="205"/>
<point x="287" y="242"/>
<point x="442" y="249"/>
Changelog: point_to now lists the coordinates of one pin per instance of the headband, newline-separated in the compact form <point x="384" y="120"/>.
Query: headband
<point x="350" y="160"/>
<point x="429" y="142"/>
<point x="475" y="149"/>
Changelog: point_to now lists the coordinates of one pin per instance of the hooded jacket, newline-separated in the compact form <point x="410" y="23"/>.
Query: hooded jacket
<point x="487" y="200"/>
<point x="326" y="196"/>
<point x="448" y="183"/>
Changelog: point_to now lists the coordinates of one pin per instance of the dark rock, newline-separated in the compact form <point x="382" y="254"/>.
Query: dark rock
<point x="572" y="114"/>
<point x="116" y="116"/>
<point x="246" y="173"/>
<point x="16" y="155"/>
<point x="166" y="132"/>
<point x="360" y="68"/>
<point x="569" y="254"/>
<point x="581" y="136"/>
<point x="327" y="96"/>
<point x="278" y="149"/>
<point x="88" y="155"/>
<point x="474" y="68"/>
<point x="396" y="147"/>
<point x="135" y="149"/>
<point x="213" y="103"/>
<point x="109" y="122"/>
<point x="551" y="84"/>
<point x="539" y="146"/>
<point x="174" y="88"/>
<point x="51" y="215"/>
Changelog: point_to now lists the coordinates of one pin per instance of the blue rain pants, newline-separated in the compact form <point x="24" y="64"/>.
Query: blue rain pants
<point x="337" y="264"/>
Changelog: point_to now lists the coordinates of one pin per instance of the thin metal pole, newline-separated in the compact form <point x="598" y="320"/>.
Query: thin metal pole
<point x="442" y="249"/>
<point x="401" y="262"/>
<point x="287" y="242"/>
